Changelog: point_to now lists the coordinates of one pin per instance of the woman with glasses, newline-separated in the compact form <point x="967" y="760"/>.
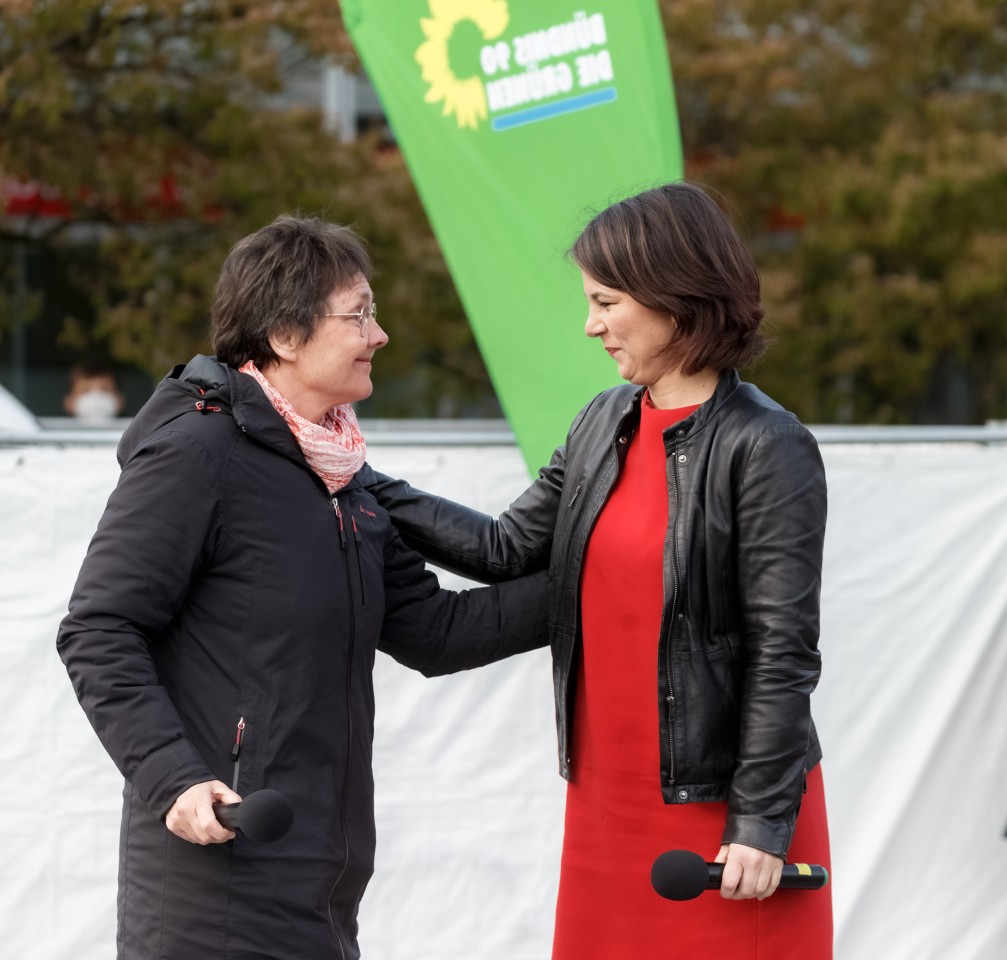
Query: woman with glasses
<point x="223" y="629"/>
<point x="683" y="525"/>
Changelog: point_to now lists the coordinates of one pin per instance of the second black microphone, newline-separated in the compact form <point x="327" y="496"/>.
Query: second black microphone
<point x="683" y="875"/>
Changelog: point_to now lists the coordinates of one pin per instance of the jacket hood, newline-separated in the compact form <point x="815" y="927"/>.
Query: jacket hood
<point x="206" y="386"/>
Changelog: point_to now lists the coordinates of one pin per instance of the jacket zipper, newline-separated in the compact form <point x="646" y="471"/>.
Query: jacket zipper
<point x="357" y="540"/>
<point x="349" y="721"/>
<point x="360" y="569"/>
<point x="621" y="441"/>
<point x="339" y="517"/>
<point x="236" y="751"/>
<point x="672" y="703"/>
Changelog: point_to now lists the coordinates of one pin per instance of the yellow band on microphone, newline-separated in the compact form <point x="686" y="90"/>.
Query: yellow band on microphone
<point x="803" y="869"/>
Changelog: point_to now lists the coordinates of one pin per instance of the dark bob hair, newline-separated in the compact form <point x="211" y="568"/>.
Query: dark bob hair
<point x="279" y="279"/>
<point x="674" y="250"/>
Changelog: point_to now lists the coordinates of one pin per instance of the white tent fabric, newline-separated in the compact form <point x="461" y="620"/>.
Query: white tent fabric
<point x="911" y="710"/>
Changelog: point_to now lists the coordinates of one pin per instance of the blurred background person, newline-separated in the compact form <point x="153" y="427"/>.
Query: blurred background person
<point x="94" y="396"/>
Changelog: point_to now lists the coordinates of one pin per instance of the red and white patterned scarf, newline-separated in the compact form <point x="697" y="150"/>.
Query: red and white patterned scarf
<point x="334" y="448"/>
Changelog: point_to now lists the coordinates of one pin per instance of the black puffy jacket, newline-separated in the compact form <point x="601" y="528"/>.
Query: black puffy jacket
<point x="224" y="586"/>
<point x="738" y="651"/>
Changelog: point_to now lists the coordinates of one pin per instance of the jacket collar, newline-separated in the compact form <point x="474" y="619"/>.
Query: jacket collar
<point x="205" y="385"/>
<point x="258" y="418"/>
<point x="726" y="387"/>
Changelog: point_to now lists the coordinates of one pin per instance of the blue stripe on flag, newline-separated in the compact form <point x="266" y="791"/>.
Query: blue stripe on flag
<point x="555" y="109"/>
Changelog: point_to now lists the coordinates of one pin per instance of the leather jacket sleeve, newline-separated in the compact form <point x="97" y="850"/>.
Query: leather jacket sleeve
<point x="470" y="543"/>
<point x="780" y="529"/>
<point x="440" y="631"/>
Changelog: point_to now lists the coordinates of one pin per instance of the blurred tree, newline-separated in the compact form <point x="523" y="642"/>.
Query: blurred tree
<point x="863" y="147"/>
<point x="157" y="136"/>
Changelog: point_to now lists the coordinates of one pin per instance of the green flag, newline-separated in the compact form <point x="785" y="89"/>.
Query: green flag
<point x="515" y="117"/>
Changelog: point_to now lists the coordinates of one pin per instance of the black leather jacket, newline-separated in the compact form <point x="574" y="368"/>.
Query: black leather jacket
<point x="738" y="650"/>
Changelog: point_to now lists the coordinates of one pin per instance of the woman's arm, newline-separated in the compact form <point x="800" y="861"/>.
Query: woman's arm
<point x="440" y="631"/>
<point x="468" y="542"/>
<point x="473" y="544"/>
<point x="147" y="548"/>
<point x="780" y="527"/>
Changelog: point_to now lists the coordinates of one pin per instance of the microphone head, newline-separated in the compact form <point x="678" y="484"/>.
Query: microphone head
<point x="265" y="815"/>
<point x="679" y="875"/>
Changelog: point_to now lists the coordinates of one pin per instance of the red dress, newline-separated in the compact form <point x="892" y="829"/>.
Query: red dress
<point x="616" y="820"/>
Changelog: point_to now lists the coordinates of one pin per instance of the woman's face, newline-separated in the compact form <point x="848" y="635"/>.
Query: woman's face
<point x="334" y="366"/>
<point x="633" y="335"/>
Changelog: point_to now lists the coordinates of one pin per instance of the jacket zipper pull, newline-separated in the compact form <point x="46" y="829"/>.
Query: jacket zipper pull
<point x="576" y="494"/>
<point x="356" y="532"/>
<point x="236" y="751"/>
<point x="342" y="532"/>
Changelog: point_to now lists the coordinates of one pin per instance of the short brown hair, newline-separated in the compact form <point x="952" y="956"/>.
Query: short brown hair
<point x="279" y="279"/>
<point x="674" y="250"/>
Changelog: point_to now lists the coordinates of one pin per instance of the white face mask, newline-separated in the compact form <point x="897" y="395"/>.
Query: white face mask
<point x="96" y="405"/>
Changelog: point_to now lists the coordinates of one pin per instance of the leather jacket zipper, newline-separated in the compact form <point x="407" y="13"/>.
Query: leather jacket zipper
<point x="619" y="446"/>
<point x="670" y="699"/>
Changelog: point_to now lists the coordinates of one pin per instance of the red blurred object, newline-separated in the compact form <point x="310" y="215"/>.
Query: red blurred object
<point x="28" y="198"/>
<point x="781" y="221"/>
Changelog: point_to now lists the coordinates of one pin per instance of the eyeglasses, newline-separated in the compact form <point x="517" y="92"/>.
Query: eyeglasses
<point x="362" y="317"/>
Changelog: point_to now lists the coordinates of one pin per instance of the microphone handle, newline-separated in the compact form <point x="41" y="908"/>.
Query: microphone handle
<point x="227" y="814"/>
<point x="796" y="876"/>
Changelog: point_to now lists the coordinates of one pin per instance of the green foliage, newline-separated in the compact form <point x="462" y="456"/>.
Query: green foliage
<point x="155" y="124"/>
<point x="876" y="131"/>
<point x="861" y="145"/>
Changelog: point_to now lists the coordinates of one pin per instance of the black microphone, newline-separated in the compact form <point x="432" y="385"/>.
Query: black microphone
<point x="265" y="815"/>
<point x="684" y="875"/>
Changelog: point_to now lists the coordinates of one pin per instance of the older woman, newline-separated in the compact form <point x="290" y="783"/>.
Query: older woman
<point x="683" y="525"/>
<point x="223" y="628"/>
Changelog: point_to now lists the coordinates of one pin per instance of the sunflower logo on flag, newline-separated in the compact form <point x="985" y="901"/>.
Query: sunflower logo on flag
<point x="465" y="97"/>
